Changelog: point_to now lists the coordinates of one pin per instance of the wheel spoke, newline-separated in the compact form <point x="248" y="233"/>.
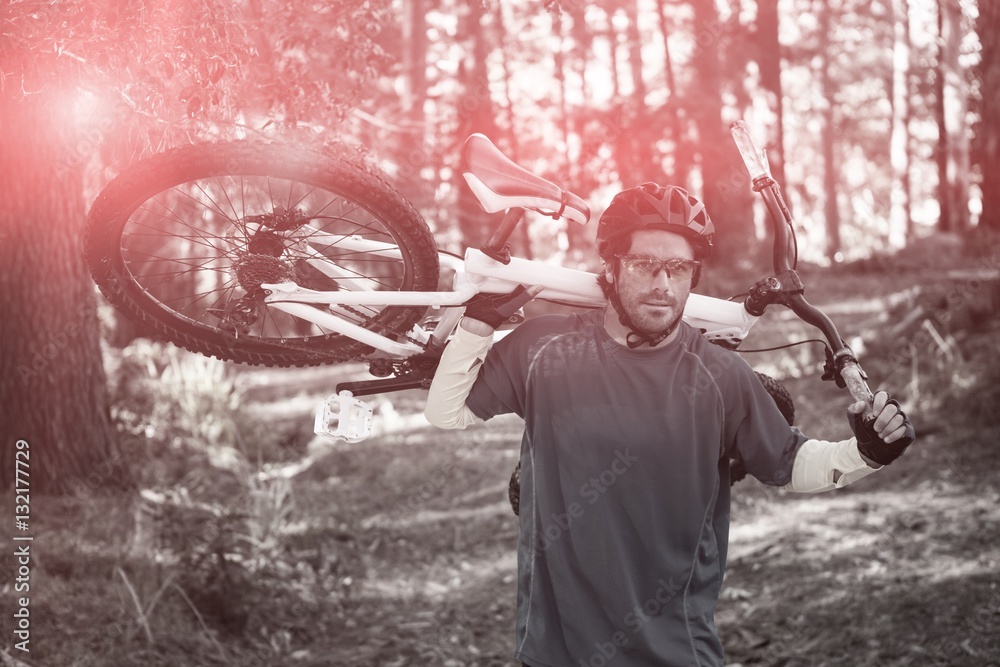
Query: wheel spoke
<point x="218" y="208"/>
<point x="184" y="261"/>
<point x="191" y="249"/>
<point x="197" y="233"/>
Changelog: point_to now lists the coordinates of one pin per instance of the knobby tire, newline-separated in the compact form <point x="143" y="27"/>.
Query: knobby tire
<point x="208" y="217"/>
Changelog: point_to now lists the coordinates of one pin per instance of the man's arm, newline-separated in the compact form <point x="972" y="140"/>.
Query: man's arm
<point x="821" y="466"/>
<point x="464" y="356"/>
<point x="455" y="375"/>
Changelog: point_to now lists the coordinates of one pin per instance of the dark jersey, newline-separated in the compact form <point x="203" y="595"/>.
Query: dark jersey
<point x="624" y="519"/>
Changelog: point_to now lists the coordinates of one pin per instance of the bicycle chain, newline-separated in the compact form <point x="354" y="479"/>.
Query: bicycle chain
<point x="383" y="329"/>
<point x="368" y="323"/>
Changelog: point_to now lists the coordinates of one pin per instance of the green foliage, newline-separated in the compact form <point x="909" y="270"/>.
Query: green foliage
<point x="160" y="60"/>
<point x="218" y="531"/>
<point x="164" y="393"/>
<point x="140" y="75"/>
<point x="557" y="96"/>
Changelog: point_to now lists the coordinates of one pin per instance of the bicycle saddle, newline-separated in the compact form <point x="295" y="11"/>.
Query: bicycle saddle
<point x="499" y="183"/>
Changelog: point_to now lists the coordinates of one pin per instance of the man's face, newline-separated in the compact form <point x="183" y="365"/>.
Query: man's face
<point x="654" y="304"/>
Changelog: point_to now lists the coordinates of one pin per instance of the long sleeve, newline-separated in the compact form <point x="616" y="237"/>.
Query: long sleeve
<point x="822" y="466"/>
<point x="453" y="380"/>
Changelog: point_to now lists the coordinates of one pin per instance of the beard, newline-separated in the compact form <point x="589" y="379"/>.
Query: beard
<point x="652" y="312"/>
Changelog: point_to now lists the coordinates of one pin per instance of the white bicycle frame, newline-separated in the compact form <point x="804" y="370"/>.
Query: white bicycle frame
<point x="725" y="322"/>
<point x="342" y="416"/>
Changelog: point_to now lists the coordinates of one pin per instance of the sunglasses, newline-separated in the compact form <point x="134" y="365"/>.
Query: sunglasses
<point x="643" y="266"/>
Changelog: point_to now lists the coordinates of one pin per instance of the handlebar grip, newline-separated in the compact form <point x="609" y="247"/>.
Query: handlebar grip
<point x="753" y="159"/>
<point x="856" y="384"/>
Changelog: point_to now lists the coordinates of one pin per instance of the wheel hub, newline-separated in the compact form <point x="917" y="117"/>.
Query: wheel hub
<point x="253" y="270"/>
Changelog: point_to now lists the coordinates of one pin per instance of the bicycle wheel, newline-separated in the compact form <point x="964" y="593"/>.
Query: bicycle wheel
<point x="182" y="242"/>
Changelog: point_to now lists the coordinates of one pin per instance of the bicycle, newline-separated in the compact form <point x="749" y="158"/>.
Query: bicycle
<point x="290" y="256"/>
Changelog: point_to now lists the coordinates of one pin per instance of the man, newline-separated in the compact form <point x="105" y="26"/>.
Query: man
<point x="631" y="418"/>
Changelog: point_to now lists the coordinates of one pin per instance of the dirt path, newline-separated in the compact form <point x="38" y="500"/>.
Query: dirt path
<point x="400" y="550"/>
<point x="900" y="570"/>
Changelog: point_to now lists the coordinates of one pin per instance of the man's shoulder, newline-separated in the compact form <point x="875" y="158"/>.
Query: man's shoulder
<point x="537" y="332"/>
<point x="696" y="343"/>
<point x="716" y="357"/>
<point x="553" y="323"/>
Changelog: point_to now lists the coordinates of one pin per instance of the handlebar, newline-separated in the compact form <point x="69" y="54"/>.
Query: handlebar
<point x="844" y="361"/>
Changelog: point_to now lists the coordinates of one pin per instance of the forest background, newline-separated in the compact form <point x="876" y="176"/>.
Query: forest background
<point x="881" y="120"/>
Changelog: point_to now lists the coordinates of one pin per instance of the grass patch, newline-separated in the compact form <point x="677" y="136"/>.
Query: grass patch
<point x="244" y="540"/>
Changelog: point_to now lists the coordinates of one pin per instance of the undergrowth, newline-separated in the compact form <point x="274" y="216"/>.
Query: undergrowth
<point x="211" y="562"/>
<point x="205" y="557"/>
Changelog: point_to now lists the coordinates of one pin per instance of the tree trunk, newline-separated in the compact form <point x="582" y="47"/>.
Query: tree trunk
<point x="900" y="218"/>
<point x="941" y="151"/>
<point x="415" y="59"/>
<point x="641" y="146"/>
<point x="951" y="106"/>
<point x="561" y="66"/>
<point x="616" y="86"/>
<point x="831" y="210"/>
<point x="476" y="114"/>
<point x="635" y="50"/>
<point x="682" y="156"/>
<point x="668" y="65"/>
<point x="561" y="228"/>
<point x="414" y="152"/>
<point x="583" y="46"/>
<point x="769" y="59"/>
<point x="579" y="236"/>
<point x="731" y="213"/>
<point x="956" y="111"/>
<point x="522" y="235"/>
<point x="988" y="130"/>
<point x="52" y="381"/>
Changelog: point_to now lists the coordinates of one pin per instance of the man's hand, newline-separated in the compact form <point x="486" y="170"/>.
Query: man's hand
<point x="883" y="439"/>
<point x="489" y="311"/>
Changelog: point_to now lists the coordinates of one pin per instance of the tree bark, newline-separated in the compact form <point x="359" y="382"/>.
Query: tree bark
<point x="641" y="146"/>
<point x="988" y="129"/>
<point x="616" y="86"/>
<point x="900" y="218"/>
<point x="521" y="241"/>
<point x="52" y="383"/>
<point x="731" y="210"/>
<point x="415" y="59"/>
<point x="683" y="153"/>
<point x="956" y="113"/>
<point x="769" y="60"/>
<point x="831" y="210"/>
<point x="414" y="153"/>
<point x="475" y="114"/>
<point x="951" y="107"/>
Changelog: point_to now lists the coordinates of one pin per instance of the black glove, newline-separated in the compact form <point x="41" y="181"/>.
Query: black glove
<point x="495" y="309"/>
<point x="872" y="446"/>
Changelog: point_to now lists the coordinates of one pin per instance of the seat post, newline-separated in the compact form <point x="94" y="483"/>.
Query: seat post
<point x="498" y="247"/>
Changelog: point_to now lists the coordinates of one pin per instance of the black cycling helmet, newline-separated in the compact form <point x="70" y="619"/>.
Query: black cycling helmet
<point x="651" y="206"/>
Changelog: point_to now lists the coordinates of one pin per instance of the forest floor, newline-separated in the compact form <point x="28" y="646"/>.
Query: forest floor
<point x="280" y="548"/>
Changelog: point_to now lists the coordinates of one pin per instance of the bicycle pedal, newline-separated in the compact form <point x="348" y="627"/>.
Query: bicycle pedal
<point x="341" y="416"/>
